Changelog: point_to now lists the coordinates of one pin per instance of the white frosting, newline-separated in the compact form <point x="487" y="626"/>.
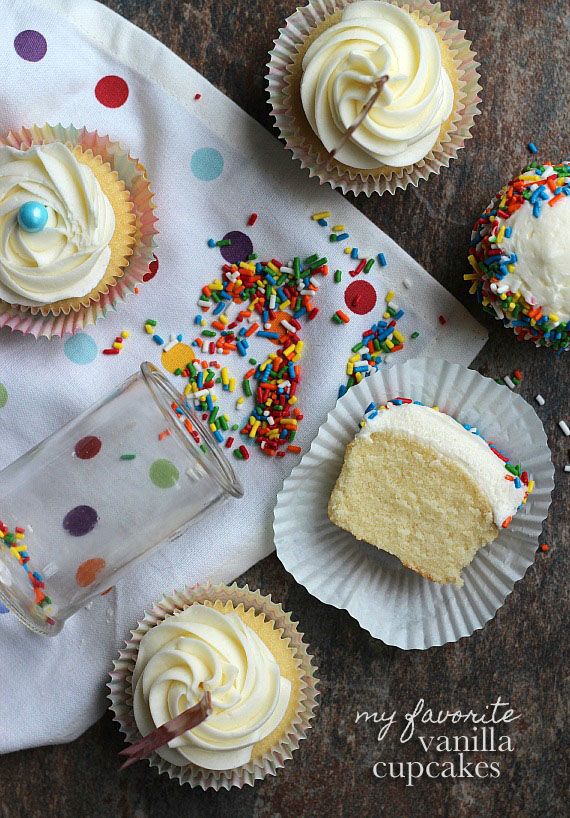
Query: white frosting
<point x="70" y="256"/>
<point x="198" y="650"/>
<point x="375" y="38"/>
<point x="542" y="270"/>
<point x="448" y="437"/>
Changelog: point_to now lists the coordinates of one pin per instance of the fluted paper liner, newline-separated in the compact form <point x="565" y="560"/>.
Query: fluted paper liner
<point x="283" y="79"/>
<point x="127" y="184"/>
<point x="121" y="694"/>
<point x="390" y="601"/>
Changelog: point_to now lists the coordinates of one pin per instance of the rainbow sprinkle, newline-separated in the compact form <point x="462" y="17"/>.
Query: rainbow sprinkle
<point x="538" y="186"/>
<point x="383" y="337"/>
<point x="14" y="542"/>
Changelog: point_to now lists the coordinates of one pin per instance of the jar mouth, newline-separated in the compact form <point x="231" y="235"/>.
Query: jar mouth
<point x="217" y="466"/>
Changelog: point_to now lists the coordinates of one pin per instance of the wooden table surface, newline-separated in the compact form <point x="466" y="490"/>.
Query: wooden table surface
<point x="520" y="655"/>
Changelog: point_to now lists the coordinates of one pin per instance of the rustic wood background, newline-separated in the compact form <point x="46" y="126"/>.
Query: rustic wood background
<point x="520" y="655"/>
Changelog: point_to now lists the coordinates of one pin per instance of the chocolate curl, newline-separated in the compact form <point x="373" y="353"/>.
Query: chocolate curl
<point x="378" y="85"/>
<point x="172" y="729"/>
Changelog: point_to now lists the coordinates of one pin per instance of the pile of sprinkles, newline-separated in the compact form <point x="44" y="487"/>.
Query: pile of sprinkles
<point x="383" y="337"/>
<point x="538" y="186"/>
<point x="515" y="472"/>
<point x="14" y="542"/>
<point x="272" y="298"/>
<point x="118" y="343"/>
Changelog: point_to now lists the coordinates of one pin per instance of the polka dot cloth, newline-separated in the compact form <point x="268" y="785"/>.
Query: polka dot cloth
<point x="88" y="447"/>
<point x="112" y="91"/>
<point x="360" y="297"/>
<point x="206" y="164"/>
<point x="3" y="608"/>
<point x="240" y="248"/>
<point x="30" y="45"/>
<point x="88" y="571"/>
<point x="3" y="396"/>
<point x="80" y="348"/>
<point x="152" y="270"/>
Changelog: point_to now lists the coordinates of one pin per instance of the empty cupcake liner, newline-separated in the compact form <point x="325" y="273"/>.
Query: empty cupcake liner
<point x="29" y="320"/>
<point x="279" y="80"/>
<point x="390" y="601"/>
<point x="121" y="693"/>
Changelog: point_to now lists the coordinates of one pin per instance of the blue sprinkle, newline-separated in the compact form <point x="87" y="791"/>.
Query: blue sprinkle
<point x="179" y="337"/>
<point x="158" y="340"/>
<point x="536" y="210"/>
<point x="198" y="320"/>
<point x="342" y="390"/>
<point x="263" y="334"/>
<point x="399" y="315"/>
<point x="532" y="147"/>
<point x="508" y="232"/>
<point x="517" y="483"/>
<point x="370" y="408"/>
<point x="373" y="415"/>
<point x="382" y="260"/>
<point x="211" y="242"/>
<point x="342" y="236"/>
<point x="219" y="436"/>
<point x="220" y="307"/>
<point x="209" y="403"/>
<point x="322" y="222"/>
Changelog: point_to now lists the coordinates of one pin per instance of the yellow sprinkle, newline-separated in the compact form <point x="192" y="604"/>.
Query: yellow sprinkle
<point x="358" y="377"/>
<point x="232" y="384"/>
<point x="324" y="215"/>
<point x="292" y="400"/>
<point x="188" y="389"/>
<point x="389" y="344"/>
<point x="213" y="427"/>
<point x="225" y="376"/>
<point x="436" y="408"/>
<point x="299" y="346"/>
<point x="349" y="368"/>
<point x="272" y="267"/>
<point x="470" y="277"/>
<point x="486" y="301"/>
<point x="354" y="358"/>
<point x="530" y="487"/>
<point x="117" y="345"/>
<point x="473" y="288"/>
<point x="473" y="262"/>
<point x="398" y="336"/>
<point x="501" y="233"/>
<point x="348" y="250"/>
<point x="224" y="319"/>
<point x="125" y="334"/>
<point x="149" y="329"/>
<point x="338" y="228"/>
<point x="252" y="420"/>
<point x="511" y="268"/>
<point x="386" y="315"/>
<point x="254" y="429"/>
<point x="239" y="401"/>
<point x="390" y="296"/>
<point x="553" y="317"/>
<point x="289" y="350"/>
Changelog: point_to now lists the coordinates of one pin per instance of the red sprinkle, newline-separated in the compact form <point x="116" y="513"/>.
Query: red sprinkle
<point x="197" y="96"/>
<point x="442" y="320"/>
<point x="252" y="220"/>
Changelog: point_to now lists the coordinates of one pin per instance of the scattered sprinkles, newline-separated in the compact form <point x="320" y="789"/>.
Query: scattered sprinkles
<point x="538" y="185"/>
<point x="14" y="543"/>
<point x="118" y="343"/>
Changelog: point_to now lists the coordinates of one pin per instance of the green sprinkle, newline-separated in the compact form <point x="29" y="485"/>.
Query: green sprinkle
<point x="314" y="264"/>
<point x="235" y="427"/>
<point x="415" y="334"/>
<point x="246" y="388"/>
<point x="178" y="371"/>
<point x="151" y="321"/>
<point x="223" y="243"/>
<point x="337" y="276"/>
<point x="368" y="265"/>
<point x="336" y="319"/>
<point x="127" y="457"/>
<point x="203" y="448"/>
<point x="238" y="455"/>
<point x="208" y="333"/>
<point x="333" y="237"/>
<point x="357" y="347"/>
<point x="308" y="260"/>
<point x="252" y="257"/>
<point x="224" y="424"/>
<point x="253" y="362"/>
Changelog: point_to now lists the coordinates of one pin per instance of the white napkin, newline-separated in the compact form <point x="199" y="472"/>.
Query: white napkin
<point x="54" y="688"/>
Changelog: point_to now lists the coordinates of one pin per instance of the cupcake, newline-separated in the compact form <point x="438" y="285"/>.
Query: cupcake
<point x="521" y="271"/>
<point x="242" y="649"/>
<point x="77" y="226"/>
<point x="420" y="485"/>
<point x="326" y="68"/>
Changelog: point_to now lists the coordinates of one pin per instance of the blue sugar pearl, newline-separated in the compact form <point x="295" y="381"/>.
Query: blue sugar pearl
<point x="32" y="217"/>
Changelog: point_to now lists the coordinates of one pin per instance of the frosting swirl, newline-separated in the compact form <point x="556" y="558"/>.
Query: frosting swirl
<point x="339" y="68"/>
<point x="69" y="257"/>
<point x="201" y="649"/>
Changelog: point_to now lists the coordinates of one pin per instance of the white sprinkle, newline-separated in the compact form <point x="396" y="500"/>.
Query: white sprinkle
<point x="509" y="382"/>
<point x="567" y="468"/>
<point x="407" y="283"/>
<point x="267" y="325"/>
<point x="288" y="326"/>
<point x="540" y="400"/>
<point x="564" y="426"/>
<point x="285" y="269"/>
<point x="201" y="393"/>
<point x="170" y="345"/>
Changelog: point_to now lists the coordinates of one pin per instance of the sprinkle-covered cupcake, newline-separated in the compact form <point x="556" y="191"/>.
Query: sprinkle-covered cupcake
<point x="521" y="272"/>
<point x="77" y="226"/>
<point x="242" y="649"/>
<point x="326" y="69"/>
<point x="422" y="486"/>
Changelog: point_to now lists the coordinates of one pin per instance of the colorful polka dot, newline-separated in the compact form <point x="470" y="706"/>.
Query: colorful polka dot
<point x="112" y="91"/>
<point x="206" y="164"/>
<point x="88" y="447"/>
<point x="164" y="474"/>
<point x="239" y="249"/>
<point x="30" y="45"/>
<point x="152" y="269"/>
<point x="177" y="357"/>
<point x="360" y="297"/>
<point x="3" y="608"/>
<point x="80" y="521"/>
<point x="3" y="396"/>
<point x="88" y="571"/>
<point x="80" y="348"/>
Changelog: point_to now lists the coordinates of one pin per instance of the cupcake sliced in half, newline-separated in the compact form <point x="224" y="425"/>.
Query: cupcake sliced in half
<point x="420" y="485"/>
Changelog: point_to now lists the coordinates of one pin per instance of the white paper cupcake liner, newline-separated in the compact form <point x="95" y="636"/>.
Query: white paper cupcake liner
<point x="283" y="56"/>
<point x="29" y="320"/>
<point x="121" y="694"/>
<point x="390" y="601"/>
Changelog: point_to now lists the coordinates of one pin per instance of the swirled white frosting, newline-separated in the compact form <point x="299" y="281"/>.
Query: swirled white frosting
<point x="69" y="257"/>
<point x="372" y="39"/>
<point x="198" y="650"/>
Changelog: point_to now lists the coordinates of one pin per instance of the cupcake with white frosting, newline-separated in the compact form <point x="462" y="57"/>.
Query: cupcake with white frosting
<point x="244" y="651"/>
<point x="325" y="69"/>
<point x="76" y="227"/>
